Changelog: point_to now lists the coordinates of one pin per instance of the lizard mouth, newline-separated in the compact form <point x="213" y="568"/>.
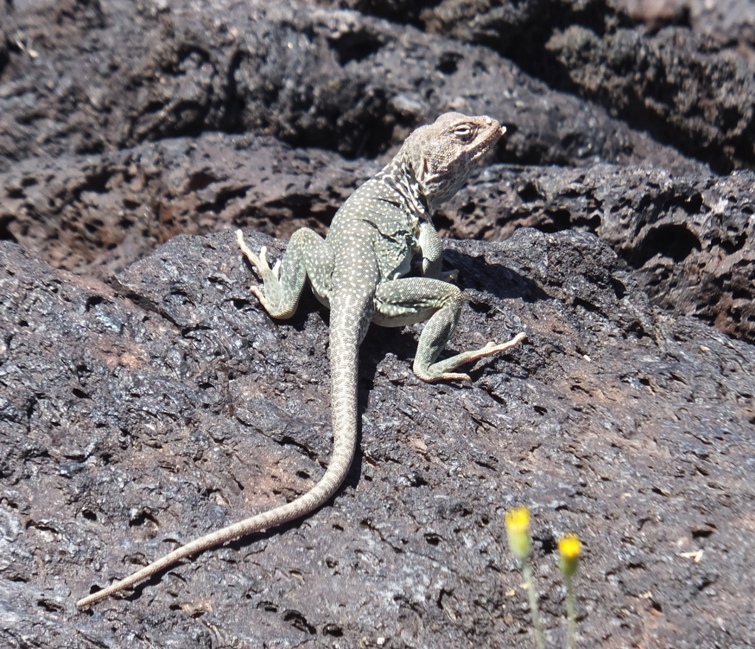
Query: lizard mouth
<point x="492" y="137"/>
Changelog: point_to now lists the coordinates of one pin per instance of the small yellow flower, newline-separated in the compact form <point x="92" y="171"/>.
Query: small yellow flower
<point x="569" y="547"/>
<point x="518" y="531"/>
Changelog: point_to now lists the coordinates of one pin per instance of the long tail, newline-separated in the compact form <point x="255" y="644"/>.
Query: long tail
<point x="344" y="346"/>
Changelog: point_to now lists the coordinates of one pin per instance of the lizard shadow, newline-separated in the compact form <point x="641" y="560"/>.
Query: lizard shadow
<point x="494" y="278"/>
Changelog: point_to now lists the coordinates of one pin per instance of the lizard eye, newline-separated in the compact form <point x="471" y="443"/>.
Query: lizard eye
<point x="464" y="132"/>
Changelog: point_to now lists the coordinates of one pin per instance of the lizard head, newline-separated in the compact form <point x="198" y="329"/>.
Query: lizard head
<point x="442" y="155"/>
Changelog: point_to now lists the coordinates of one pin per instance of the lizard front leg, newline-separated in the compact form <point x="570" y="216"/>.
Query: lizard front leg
<point x="308" y="255"/>
<point x="416" y="299"/>
<point x="431" y="246"/>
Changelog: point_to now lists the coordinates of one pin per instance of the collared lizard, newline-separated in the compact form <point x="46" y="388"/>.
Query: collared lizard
<point x="358" y="271"/>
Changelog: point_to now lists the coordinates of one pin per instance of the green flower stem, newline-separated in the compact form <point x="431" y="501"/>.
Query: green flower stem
<point x="571" y="613"/>
<point x="532" y="594"/>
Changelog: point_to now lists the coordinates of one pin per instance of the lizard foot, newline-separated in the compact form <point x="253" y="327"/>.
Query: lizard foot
<point x="496" y="348"/>
<point x="272" y="295"/>
<point x="259" y="262"/>
<point x="442" y="370"/>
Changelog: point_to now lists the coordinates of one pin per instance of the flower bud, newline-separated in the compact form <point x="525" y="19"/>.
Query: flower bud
<point x="518" y="531"/>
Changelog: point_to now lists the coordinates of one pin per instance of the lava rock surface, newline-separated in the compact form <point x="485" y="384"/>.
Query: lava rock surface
<point x="146" y="398"/>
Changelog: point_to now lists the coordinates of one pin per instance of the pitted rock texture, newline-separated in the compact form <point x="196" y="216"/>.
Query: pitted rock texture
<point x="145" y="398"/>
<point x="181" y="407"/>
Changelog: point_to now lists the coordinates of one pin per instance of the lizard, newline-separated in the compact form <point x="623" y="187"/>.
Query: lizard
<point x="358" y="271"/>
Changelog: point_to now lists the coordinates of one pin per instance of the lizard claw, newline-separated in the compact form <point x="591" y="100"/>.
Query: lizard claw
<point x="495" y="348"/>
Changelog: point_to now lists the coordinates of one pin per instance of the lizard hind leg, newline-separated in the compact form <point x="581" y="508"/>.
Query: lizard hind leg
<point x="308" y="255"/>
<point x="411" y="300"/>
<point x="442" y="370"/>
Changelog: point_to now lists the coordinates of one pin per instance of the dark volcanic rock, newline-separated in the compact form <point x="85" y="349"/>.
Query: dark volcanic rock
<point x="675" y="84"/>
<point x="311" y="77"/>
<point x="145" y="398"/>
<point x="691" y="239"/>
<point x="95" y="214"/>
<point x="182" y="407"/>
<point x="700" y="101"/>
<point x="729" y="22"/>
